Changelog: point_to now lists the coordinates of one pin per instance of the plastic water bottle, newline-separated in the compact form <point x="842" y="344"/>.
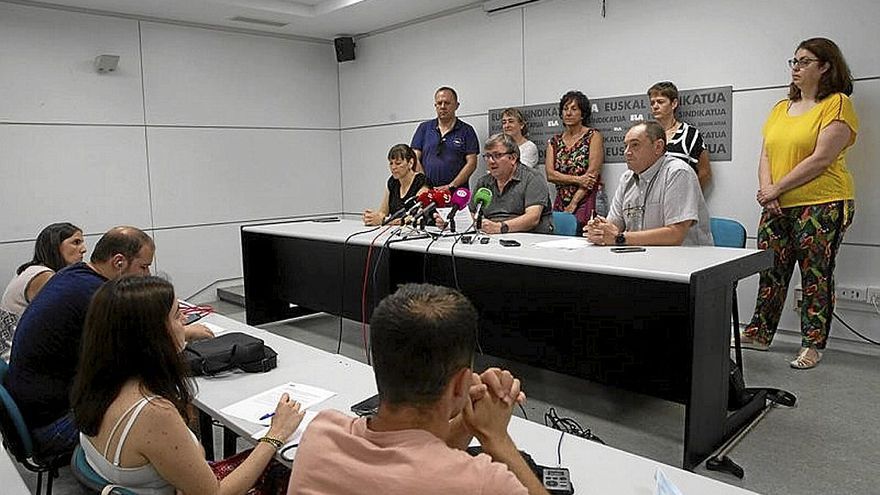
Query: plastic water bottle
<point x="601" y="201"/>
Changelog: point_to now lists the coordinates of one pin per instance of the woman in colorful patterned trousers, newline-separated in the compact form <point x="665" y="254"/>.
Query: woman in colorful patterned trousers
<point x="807" y="195"/>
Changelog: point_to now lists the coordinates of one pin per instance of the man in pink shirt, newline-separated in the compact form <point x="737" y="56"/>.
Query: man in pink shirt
<point x="430" y="406"/>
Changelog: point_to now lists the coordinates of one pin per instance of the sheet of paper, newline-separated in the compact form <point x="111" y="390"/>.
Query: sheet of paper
<point x="663" y="486"/>
<point x="295" y="438"/>
<point x="216" y="329"/>
<point x="568" y="243"/>
<point x="255" y="407"/>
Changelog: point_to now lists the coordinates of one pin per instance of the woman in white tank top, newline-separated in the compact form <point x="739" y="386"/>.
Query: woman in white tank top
<point x="57" y="246"/>
<point x="131" y="398"/>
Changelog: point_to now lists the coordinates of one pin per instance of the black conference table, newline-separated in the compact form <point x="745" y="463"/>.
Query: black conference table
<point x="655" y="322"/>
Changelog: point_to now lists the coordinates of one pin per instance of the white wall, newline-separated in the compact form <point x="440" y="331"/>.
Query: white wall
<point x="197" y="132"/>
<point x="534" y="54"/>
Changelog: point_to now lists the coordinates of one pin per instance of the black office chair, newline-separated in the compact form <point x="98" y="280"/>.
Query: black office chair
<point x="17" y="439"/>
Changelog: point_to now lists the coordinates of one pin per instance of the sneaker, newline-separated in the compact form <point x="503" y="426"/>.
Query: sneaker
<point x="807" y="358"/>
<point x="747" y="342"/>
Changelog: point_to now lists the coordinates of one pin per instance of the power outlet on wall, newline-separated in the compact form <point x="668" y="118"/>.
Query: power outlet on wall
<point x="872" y="295"/>
<point x="856" y="294"/>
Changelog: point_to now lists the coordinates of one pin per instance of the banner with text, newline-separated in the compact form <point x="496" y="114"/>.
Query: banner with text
<point x="708" y="109"/>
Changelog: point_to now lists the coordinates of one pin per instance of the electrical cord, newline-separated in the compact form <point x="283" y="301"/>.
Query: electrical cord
<point x="853" y="330"/>
<point x="523" y="409"/>
<point x="427" y="249"/>
<point x="364" y="291"/>
<point x="342" y="284"/>
<point x="568" y="425"/>
<point x="452" y="255"/>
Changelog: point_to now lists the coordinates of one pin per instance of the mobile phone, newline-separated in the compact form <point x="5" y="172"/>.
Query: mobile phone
<point x="627" y="249"/>
<point x="484" y="240"/>
<point x="192" y="318"/>
<point x="367" y="407"/>
<point x="509" y="243"/>
<point x="467" y="239"/>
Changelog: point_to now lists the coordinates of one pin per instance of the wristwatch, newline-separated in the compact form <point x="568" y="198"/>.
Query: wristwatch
<point x="620" y="239"/>
<point x="505" y="228"/>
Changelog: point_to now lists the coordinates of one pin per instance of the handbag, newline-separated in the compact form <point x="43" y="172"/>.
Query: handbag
<point x="229" y="351"/>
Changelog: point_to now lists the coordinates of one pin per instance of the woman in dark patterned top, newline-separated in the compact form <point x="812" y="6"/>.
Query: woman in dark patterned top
<point x="574" y="159"/>
<point x="403" y="184"/>
<point x="683" y="141"/>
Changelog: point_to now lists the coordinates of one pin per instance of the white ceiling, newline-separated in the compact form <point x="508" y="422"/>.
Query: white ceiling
<point x="324" y="19"/>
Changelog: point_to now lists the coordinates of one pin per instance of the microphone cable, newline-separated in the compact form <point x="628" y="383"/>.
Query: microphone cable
<point x="342" y="284"/>
<point x="568" y="425"/>
<point x="452" y="255"/>
<point x="364" y="291"/>
<point x="428" y="248"/>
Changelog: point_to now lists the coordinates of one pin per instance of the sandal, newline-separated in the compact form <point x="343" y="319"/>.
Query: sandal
<point x="747" y="342"/>
<point x="807" y="358"/>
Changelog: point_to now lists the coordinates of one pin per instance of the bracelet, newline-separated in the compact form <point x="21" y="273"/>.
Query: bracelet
<point x="274" y="442"/>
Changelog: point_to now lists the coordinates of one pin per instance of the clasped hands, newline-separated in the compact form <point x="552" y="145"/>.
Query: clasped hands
<point x="600" y="231"/>
<point x="493" y="394"/>
<point x="768" y="197"/>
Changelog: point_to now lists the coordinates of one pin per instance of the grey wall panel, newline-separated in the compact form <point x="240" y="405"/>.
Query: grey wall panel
<point x="396" y="73"/>
<point x="202" y="77"/>
<point x="223" y="175"/>
<point x="47" y="73"/>
<point x="193" y="258"/>
<point x="95" y="177"/>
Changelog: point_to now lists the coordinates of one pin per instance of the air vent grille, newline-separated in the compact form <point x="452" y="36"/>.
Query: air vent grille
<point x="262" y="22"/>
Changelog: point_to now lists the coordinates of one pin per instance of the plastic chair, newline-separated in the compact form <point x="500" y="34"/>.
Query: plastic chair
<point x="88" y="477"/>
<point x="17" y="439"/>
<point x="732" y="234"/>
<point x="564" y="223"/>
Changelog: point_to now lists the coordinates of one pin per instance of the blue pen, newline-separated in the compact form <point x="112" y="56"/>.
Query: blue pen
<point x="267" y="416"/>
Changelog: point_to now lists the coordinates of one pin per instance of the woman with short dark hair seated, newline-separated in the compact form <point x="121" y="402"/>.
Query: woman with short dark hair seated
<point x="131" y="398"/>
<point x="404" y="183"/>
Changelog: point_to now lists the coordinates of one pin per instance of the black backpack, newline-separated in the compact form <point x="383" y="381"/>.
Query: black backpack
<point x="229" y="351"/>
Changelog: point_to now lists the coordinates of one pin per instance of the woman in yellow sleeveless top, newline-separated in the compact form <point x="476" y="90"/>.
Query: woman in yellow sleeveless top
<point x="807" y="195"/>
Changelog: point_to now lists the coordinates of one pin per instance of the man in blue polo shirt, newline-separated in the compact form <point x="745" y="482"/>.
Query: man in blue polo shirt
<point x="446" y="147"/>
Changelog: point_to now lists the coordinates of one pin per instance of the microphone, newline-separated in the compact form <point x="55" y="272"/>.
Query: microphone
<point x="407" y="204"/>
<point x="483" y="198"/>
<point x="460" y="199"/>
<point x="431" y="200"/>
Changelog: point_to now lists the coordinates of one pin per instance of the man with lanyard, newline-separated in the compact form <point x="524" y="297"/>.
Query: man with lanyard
<point x="446" y="148"/>
<point x="658" y="201"/>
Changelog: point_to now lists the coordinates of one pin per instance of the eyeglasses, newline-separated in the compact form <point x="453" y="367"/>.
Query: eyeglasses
<point x="493" y="156"/>
<point x="800" y="63"/>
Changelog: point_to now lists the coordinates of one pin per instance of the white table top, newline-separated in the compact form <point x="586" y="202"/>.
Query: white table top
<point x="673" y="264"/>
<point x="594" y="468"/>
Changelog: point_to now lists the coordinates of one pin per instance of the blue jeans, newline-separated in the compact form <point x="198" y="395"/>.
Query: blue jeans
<point x="58" y="437"/>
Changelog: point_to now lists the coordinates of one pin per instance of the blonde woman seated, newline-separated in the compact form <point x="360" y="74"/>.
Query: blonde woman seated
<point x="404" y="183"/>
<point x="131" y="398"/>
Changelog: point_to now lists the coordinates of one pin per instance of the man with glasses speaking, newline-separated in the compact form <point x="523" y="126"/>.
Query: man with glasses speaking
<point x="446" y="148"/>
<point x="520" y="198"/>
<point x="658" y="201"/>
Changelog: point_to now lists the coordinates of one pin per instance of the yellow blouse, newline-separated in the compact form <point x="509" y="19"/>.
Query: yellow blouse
<point x="789" y="140"/>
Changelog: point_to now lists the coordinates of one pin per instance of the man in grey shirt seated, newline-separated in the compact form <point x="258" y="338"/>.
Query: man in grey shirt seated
<point x="658" y="201"/>
<point x="520" y="198"/>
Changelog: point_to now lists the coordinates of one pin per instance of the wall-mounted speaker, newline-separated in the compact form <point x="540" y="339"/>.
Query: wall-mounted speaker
<point x="344" y="48"/>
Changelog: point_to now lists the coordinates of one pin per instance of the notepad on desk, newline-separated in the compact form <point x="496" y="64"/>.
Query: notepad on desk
<point x="572" y="243"/>
<point x="256" y="408"/>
